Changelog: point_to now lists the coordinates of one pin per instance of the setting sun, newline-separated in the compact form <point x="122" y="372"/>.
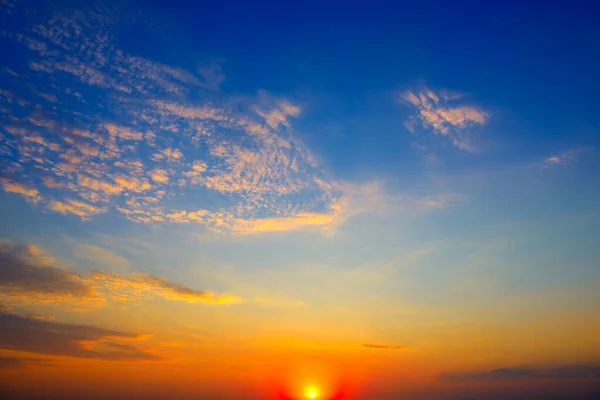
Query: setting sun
<point x="312" y="393"/>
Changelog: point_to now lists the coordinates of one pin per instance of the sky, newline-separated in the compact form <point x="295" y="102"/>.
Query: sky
<point x="285" y="200"/>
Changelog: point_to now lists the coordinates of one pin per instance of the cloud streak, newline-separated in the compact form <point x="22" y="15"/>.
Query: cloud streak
<point x="116" y="287"/>
<point x="383" y="346"/>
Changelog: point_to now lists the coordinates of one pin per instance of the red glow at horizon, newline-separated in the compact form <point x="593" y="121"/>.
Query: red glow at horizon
<point x="329" y="379"/>
<point x="337" y="396"/>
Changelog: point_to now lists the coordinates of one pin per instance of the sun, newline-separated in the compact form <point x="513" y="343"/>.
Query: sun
<point x="312" y="393"/>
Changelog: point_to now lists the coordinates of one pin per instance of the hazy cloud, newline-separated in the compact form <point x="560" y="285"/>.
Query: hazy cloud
<point x="18" y="362"/>
<point x="99" y="255"/>
<point x="9" y="362"/>
<point x="212" y="75"/>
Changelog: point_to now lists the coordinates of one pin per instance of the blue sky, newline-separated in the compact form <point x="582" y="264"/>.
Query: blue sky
<point x="334" y="163"/>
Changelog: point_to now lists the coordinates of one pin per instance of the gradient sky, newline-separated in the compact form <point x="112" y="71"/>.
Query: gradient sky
<point x="241" y="200"/>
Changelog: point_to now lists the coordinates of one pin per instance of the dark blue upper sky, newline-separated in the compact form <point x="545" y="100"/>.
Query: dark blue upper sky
<point x="347" y="60"/>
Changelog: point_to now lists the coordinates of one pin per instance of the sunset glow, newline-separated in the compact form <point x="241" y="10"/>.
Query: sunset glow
<point x="324" y="200"/>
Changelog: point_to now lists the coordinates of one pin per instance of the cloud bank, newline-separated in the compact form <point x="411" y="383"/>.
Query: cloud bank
<point x="54" y="338"/>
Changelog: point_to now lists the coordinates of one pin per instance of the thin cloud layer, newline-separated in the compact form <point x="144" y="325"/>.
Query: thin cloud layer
<point x="24" y="334"/>
<point x="28" y="276"/>
<point x="440" y="113"/>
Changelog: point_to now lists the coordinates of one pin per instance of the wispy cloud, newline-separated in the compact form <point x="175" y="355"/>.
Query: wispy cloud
<point x="566" y="157"/>
<point x="137" y="286"/>
<point x="439" y="112"/>
<point x="29" y="276"/>
<point x="212" y="75"/>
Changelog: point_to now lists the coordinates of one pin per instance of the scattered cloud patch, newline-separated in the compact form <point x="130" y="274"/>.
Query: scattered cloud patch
<point x="439" y="112"/>
<point x="28" y="193"/>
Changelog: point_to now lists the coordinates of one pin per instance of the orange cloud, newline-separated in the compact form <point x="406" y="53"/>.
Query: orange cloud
<point x="159" y="175"/>
<point x="283" y="224"/>
<point x="122" y="132"/>
<point x="76" y="207"/>
<point x="18" y="188"/>
<point x="120" y="288"/>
